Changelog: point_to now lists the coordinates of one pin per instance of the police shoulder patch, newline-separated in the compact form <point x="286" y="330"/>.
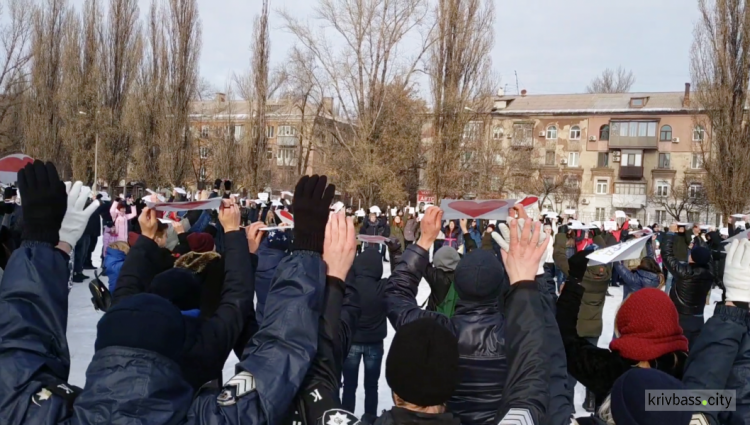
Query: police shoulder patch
<point x="240" y="385"/>
<point x="338" y="417"/>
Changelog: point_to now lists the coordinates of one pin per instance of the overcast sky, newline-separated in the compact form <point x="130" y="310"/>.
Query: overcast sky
<point x="556" y="46"/>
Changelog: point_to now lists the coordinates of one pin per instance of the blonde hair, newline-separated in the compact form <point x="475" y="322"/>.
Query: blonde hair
<point x="121" y="246"/>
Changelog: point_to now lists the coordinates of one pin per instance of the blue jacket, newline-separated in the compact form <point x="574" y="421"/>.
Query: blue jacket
<point x="130" y="386"/>
<point x="635" y="280"/>
<point x="268" y="260"/>
<point x="720" y="358"/>
<point x="480" y="329"/>
<point x="113" y="263"/>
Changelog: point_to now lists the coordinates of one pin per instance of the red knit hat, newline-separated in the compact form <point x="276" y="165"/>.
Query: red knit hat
<point x="649" y="327"/>
<point x="200" y="242"/>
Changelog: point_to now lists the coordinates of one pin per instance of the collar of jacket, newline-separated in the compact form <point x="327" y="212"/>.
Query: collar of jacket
<point x="404" y="416"/>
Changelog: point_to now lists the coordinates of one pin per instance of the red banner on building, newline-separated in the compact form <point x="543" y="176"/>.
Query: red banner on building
<point x="425" y="196"/>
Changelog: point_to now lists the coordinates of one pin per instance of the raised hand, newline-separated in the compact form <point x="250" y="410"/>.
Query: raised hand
<point x="149" y="223"/>
<point x="521" y="219"/>
<point x="737" y="271"/>
<point x="431" y="225"/>
<point x="340" y="245"/>
<point x="524" y="253"/>
<point x="254" y="236"/>
<point x="229" y="216"/>
<point x="44" y="202"/>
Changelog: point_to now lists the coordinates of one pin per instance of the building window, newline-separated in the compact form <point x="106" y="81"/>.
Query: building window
<point x="203" y="150"/>
<point x="662" y="188"/>
<point x="698" y="133"/>
<point x="499" y="159"/>
<point x="497" y="132"/>
<point x="575" y="133"/>
<point x="522" y="135"/>
<point x="695" y="190"/>
<point x="601" y="187"/>
<point x="604" y="132"/>
<point x="666" y="133"/>
<point x="270" y="131"/>
<point x="637" y="102"/>
<point x="631" y="159"/>
<point x="495" y="183"/>
<point x="287" y="157"/>
<point x="573" y="159"/>
<point x="602" y="160"/>
<point x="697" y="161"/>
<point x="661" y="216"/>
<point x="693" y="217"/>
<point x="204" y="131"/>
<point x="472" y="130"/>
<point x="269" y="153"/>
<point x="601" y="214"/>
<point x="551" y="132"/>
<point x="549" y="158"/>
<point x="664" y="161"/>
<point x="630" y="189"/>
<point x="287" y="130"/>
<point x="202" y="174"/>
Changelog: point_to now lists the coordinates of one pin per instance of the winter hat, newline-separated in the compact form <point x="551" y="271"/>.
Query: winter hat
<point x="217" y="184"/>
<point x="629" y="404"/>
<point x="143" y="321"/>
<point x="422" y="364"/>
<point x="700" y="255"/>
<point x="180" y="286"/>
<point x="446" y="259"/>
<point x="133" y="238"/>
<point x="479" y="276"/>
<point x="649" y="326"/>
<point x="200" y="242"/>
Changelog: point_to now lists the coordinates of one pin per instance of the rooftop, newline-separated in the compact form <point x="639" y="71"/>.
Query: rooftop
<point x="593" y="103"/>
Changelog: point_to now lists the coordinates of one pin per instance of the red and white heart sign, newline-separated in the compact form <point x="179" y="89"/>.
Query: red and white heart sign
<point x="528" y="201"/>
<point x="10" y="165"/>
<point x="208" y="204"/>
<point x="492" y="209"/>
<point x="286" y="217"/>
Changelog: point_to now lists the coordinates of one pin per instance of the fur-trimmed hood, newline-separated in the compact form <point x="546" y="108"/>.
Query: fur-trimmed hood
<point x="195" y="261"/>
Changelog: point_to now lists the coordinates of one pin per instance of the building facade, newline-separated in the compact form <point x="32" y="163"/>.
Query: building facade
<point x="598" y="153"/>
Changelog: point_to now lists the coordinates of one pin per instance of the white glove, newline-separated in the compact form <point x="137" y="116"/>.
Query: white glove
<point x="76" y="217"/>
<point x="737" y="271"/>
<point x="504" y="241"/>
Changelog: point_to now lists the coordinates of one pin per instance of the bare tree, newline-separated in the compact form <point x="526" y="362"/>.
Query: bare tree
<point x="459" y="68"/>
<point x="721" y="71"/>
<point x="44" y="121"/>
<point x="183" y="32"/>
<point x="677" y="200"/>
<point x="617" y="80"/>
<point x="15" y="35"/>
<point x="361" y="76"/>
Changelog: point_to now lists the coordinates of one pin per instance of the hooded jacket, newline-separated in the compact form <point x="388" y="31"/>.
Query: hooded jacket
<point x="479" y="327"/>
<point x="559" y="252"/>
<point x="595" y="282"/>
<point x="634" y="280"/>
<point x="410" y="230"/>
<point x="680" y="246"/>
<point x="692" y="282"/>
<point x="440" y="276"/>
<point x="367" y="272"/>
<point x="125" y="385"/>
<point x="113" y="264"/>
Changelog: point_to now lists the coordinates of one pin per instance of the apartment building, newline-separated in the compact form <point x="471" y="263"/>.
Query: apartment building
<point x="611" y="152"/>
<point x="292" y="128"/>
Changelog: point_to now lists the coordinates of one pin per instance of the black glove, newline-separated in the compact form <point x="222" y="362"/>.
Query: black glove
<point x="578" y="264"/>
<point x="44" y="202"/>
<point x="311" y="202"/>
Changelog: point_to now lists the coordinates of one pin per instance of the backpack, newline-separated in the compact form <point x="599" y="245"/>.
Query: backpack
<point x="100" y="296"/>
<point x="448" y="306"/>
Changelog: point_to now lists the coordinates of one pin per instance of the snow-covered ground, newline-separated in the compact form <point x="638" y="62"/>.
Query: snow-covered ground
<point x="82" y="320"/>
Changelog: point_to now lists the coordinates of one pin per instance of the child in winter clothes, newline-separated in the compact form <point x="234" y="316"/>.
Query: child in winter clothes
<point x="121" y="218"/>
<point x="114" y="261"/>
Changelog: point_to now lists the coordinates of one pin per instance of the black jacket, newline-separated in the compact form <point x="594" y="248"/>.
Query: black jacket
<point x="210" y="342"/>
<point x="94" y="225"/>
<point x="367" y="273"/>
<point x="399" y="416"/>
<point x="373" y="229"/>
<point x="691" y="282"/>
<point x="681" y="244"/>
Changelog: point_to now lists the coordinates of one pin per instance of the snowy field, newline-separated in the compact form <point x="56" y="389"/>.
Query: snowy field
<point x="82" y="320"/>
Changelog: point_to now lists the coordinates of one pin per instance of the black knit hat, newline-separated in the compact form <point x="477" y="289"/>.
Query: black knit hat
<point x="422" y="364"/>
<point x="700" y="255"/>
<point x="479" y="277"/>
<point x="217" y="184"/>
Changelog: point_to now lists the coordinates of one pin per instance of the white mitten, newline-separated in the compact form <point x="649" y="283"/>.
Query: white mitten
<point x="76" y="216"/>
<point x="737" y="271"/>
<point x="504" y="241"/>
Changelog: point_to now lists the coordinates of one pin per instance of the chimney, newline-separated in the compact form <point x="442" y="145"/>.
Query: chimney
<point x="221" y="97"/>
<point x="500" y="92"/>
<point x="523" y="93"/>
<point x="686" y="99"/>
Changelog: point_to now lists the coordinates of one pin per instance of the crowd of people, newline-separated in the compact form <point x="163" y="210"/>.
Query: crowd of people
<point x="511" y="324"/>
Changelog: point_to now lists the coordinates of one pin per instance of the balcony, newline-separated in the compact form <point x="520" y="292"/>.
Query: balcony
<point x="625" y="142"/>
<point x="287" y="141"/>
<point x="633" y="135"/>
<point x="631" y="172"/>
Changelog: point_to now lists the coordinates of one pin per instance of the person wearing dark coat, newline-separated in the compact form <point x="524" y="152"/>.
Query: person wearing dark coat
<point x="681" y="244"/>
<point x="648" y="335"/>
<point x="691" y="285"/>
<point x="94" y="230"/>
<point x="647" y="275"/>
<point x="371" y="330"/>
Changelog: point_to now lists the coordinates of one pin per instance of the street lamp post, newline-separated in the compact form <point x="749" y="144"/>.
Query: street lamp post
<point x="96" y="155"/>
